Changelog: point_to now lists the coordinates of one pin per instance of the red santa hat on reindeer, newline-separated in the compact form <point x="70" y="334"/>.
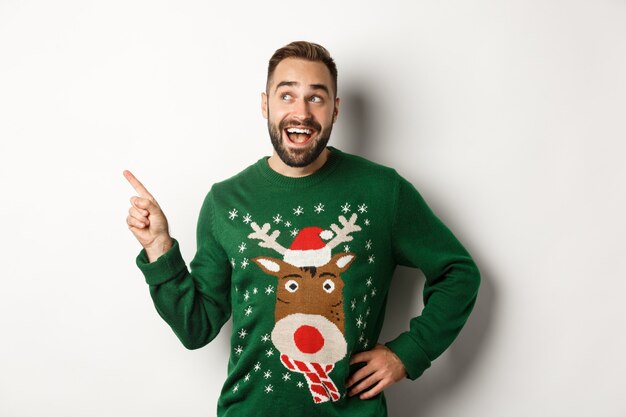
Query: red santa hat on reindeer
<point x="309" y="248"/>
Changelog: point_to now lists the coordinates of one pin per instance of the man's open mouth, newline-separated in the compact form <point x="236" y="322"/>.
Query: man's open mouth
<point x="299" y="135"/>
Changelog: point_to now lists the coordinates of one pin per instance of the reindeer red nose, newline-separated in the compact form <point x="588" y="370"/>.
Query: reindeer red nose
<point x="308" y="339"/>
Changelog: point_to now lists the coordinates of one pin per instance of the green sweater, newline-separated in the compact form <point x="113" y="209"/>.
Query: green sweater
<point x="304" y="266"/>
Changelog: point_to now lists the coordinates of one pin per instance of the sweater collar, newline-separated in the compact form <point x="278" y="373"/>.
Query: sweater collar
<point x="263" y="168"/>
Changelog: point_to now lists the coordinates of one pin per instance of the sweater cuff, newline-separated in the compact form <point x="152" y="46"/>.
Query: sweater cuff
<point x="411" y="354"/>
<point x="165" y="268"/>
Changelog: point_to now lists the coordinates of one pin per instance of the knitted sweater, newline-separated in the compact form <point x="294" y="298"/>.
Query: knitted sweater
<point x="304" y="266"/>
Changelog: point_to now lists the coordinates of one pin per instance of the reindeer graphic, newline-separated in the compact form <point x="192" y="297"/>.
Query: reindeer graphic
<point x="309" y="316"/>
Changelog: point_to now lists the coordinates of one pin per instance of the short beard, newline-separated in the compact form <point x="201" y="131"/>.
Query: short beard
<point x="301" y="157"/>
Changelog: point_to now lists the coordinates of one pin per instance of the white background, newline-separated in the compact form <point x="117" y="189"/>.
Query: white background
<point x="509" y="117"/>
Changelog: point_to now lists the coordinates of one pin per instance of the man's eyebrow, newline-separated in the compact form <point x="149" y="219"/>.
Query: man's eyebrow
<point x="285" y="84"/>
<point x="322" y="87"/>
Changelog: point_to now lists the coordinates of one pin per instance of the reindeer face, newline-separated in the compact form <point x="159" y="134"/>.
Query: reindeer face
<point x="309" y="308"/>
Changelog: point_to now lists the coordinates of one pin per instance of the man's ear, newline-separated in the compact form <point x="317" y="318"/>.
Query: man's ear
<point x="336" y="110"/>
<point x="264" y="104"/>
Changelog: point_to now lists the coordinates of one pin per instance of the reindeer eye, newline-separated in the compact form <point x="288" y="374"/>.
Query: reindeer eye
<point x="291" y="286"/>
<point x="328" y="286"/>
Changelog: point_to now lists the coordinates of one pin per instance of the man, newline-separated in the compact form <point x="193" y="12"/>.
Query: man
<point x="300" y="248"/>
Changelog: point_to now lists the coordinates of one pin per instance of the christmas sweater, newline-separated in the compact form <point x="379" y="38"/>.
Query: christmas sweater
<point x="303" y="266"/>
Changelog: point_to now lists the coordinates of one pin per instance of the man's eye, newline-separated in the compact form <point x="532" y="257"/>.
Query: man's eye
<point x="315" y="99"/>
<point x="285" y="97"/>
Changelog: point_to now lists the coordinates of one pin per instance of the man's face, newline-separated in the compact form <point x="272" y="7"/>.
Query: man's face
<point x="300" y="108"/>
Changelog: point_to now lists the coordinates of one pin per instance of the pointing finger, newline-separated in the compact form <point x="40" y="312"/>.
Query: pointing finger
<point x="137" y="185"/>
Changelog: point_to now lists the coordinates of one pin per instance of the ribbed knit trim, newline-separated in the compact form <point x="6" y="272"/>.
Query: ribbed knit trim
<point x="263" y="168"/>
<point x="163" y="269"/>
<point x="411" y="354"/>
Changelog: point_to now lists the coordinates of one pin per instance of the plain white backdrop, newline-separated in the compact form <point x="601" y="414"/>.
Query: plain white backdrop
<point x="508" y="116"/>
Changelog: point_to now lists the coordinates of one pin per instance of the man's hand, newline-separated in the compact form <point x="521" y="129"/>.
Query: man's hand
<point x="382" y="369"/>
<point x="147" y="221"/>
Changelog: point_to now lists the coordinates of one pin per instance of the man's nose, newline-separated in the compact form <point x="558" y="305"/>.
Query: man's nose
<point x="301" y="109"/>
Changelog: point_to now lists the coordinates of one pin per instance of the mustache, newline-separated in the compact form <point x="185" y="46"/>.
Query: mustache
<point x="308" y="122"/>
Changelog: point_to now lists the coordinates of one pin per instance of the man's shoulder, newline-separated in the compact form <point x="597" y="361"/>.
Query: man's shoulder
<point x="366" y="168"/>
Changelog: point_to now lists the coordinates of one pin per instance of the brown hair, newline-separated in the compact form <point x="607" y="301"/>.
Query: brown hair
<point x="303" y="50"/>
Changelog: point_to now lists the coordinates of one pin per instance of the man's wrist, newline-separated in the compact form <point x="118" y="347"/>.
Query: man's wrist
<point x="159" y="247"/>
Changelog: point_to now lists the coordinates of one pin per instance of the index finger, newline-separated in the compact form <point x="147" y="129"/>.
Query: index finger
<point x="137" y="185"/>
<point x="360" y="357"/>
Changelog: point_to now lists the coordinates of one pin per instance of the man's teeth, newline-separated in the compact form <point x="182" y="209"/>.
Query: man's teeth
<point x="298" y="130"/>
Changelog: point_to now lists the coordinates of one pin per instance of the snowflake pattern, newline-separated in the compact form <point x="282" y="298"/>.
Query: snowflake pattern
<point x="269" y="290"/>
<point x="233" y="262"/>
<point x="345" y="208"/>
<point x="267" y="374"/>
<point x="248" y="311"/>
<point x="294" y="232"/>
<point x="246" y="296"/>
<point x="244" y="263"/>
<point x="232" y="214"/>
<point x="269" y="388"/>
<point x="242" y="333"/>
<point x="346" y="248"/>
<point x="367" y="222"/>
<point x="300" y="384"/>
<point x="319" y="208"/>
<point x="269" y="353"/>
<point x="278" y="218"/>
<point x="236" y="388"/>
<point x="362" y="208"/>
<point x="370" y="259"/>
<point x="257" y="367"/>
<point x="238" y="350"/>
<point x="298" y="211"/>
<point x="369" y="282"/>
<point x="246" y="378"/>
<point x="287" y="223"/>
<point x="242" y="247"/>
<point x="286" y="376"/>
<point x="265" y="338"/>
<point x="247" y="218"/>
<point x="368" y="245"/>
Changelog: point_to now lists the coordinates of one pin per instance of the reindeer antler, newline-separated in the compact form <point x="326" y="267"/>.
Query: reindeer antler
<point x="343" y="234"/>
<point x="267" y="241"/>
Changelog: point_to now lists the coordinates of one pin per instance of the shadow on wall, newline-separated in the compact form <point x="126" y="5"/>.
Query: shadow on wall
<point x="420" y="398"/>
<point x="357" y="118"/>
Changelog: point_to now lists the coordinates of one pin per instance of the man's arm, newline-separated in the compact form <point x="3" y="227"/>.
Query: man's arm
<point x="421" y="240"/>
<point x="195" y="303"/>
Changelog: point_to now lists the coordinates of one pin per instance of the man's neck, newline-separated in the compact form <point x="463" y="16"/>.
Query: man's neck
<point x="280" y="167"/>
